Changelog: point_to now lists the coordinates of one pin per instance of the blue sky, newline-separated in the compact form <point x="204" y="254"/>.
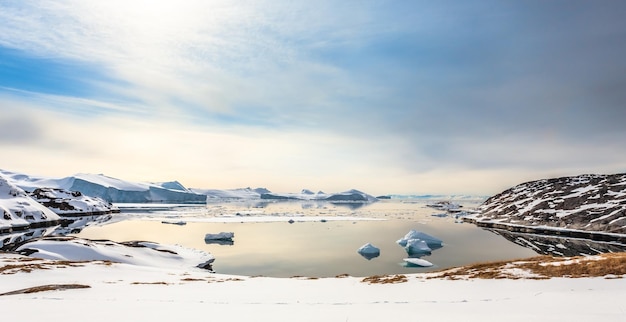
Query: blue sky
<point x="383" y="96"/>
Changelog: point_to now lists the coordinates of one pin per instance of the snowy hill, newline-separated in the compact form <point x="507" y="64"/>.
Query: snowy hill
<point x="110" y="189"/>
<point x="69" y="203"/>
<point x="120" y="191"/>
<point x="18" y="211"/>
<point x="346" y="196"/>
<point x="587" y="202"/>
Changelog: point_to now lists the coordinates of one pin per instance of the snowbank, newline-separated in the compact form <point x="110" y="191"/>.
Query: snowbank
<point x="18" y="211"/>
<point x="129" y="292"/>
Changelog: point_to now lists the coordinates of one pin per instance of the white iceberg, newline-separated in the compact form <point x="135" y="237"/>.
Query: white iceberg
<point x="220" y="236"/>
<point x="432" y="242"/>
<point x="369" y="251"/>
<point x="417" y="246"/>
<point x="418" y="262"/>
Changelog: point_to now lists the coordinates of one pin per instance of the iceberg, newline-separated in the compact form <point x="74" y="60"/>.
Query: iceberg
<point x="417" y="246"/>
<point x="431" y="241"/>
<point x="220" y="236"/>
<point x="369" y="251"/>
<point x="417" y="262"/>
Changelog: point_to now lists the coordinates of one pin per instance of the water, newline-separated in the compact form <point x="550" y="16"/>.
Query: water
<point x="322" y="242"/>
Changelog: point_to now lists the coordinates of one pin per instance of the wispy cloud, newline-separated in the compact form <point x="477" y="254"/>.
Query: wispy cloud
<point x="408" y="90"/>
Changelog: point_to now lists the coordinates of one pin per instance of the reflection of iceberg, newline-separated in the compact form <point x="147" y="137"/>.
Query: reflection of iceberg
<point x="350" y="205"/>
<point x="413" y="261"/>
<point x="369" y="251"/>
<point x="75" y="225"/>
<point x="224" y="242"/>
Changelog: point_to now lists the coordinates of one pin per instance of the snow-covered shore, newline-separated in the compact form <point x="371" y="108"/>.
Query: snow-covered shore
<point x="127" y="292"/>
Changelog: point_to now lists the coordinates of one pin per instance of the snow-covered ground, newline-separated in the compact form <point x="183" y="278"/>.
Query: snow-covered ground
<point x="137" y="290"/>
<point x="19" y="211"/>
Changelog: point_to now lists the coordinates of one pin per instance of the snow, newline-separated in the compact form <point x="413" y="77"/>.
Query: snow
<point x="418" y="235"/>
<point x="18" y="210"/>
<point x="145" y="254"/>
<point x="64" y="202"/>
<point x="127" y="292"/>
<point x="121" y="191"/>
<point x="108" y="188"/>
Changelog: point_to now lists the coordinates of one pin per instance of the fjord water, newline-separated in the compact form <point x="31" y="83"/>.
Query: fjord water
<point x="321" y="242"/>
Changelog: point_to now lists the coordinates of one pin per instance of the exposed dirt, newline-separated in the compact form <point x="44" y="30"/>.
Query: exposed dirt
<point x="44" y="288"/>
<point x="542" y="267"/>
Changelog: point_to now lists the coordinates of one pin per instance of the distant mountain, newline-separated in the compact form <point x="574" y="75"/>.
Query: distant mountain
<point x="346" y="196"/>
<point x="120" y="191"/>
<point x="110" y="189"/>
<point x="594" y="203"/>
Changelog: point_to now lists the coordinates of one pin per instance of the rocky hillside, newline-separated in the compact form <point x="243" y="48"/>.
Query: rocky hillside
<point x="587" y="202"/>
<point x="72" y="203"/>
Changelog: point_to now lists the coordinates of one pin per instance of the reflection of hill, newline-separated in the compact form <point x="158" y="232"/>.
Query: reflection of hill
<point x="559" y="246"/>
<point x="12" y="240"/>
<point x="350" y="205"/>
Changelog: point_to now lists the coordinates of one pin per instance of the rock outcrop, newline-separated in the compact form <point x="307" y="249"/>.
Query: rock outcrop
<point x="594" y="203"/>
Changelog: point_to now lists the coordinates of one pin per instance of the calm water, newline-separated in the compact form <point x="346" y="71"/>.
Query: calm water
<point x="310" y="248"/>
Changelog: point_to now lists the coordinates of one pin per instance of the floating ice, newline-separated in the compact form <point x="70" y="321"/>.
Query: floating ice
<point x="220" y="236"/>
<point x="418" y="262"/>
<point x="369" y="251"/>
<point x="180" y="223"/>
<point x="417" y="246"/>
<point x="414" y="234"/>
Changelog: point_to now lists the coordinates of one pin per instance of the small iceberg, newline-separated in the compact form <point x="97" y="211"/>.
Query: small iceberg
<point x="417" y="262"/>
<point x="369" y="251"/>
<point x="417" y="246"/>
<point x="180" y="223"/>
<point x="431" y="241"/>
<point x="223" y="238"/>
<point x="445" y="205"/>
<point x="220" y="236"/>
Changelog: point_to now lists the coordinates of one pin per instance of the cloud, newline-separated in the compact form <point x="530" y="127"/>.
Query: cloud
<point x="324" y="91"/>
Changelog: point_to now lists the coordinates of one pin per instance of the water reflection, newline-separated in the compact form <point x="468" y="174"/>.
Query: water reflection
<point x="559" y="246"/>
<point x="73" y="225"/>
<point x="223" y="242"/>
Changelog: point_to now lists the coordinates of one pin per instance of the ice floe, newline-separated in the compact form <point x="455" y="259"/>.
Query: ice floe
<point x="369" y="251"/>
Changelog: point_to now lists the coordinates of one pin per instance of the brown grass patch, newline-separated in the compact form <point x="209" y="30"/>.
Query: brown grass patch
<point x="189" y="279"/>
<point x="543" y="267"/>
<point x="29" y="264"/>
<point x="44" y="288"/>
<point x="385" y="279"/>
<point x="149" y="283"/>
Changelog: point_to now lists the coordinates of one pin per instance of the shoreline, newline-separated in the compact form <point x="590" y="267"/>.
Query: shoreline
<point x="549" y="231"/>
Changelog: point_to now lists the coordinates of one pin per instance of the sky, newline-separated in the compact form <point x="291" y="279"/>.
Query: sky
<point x="408" y="97"/>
